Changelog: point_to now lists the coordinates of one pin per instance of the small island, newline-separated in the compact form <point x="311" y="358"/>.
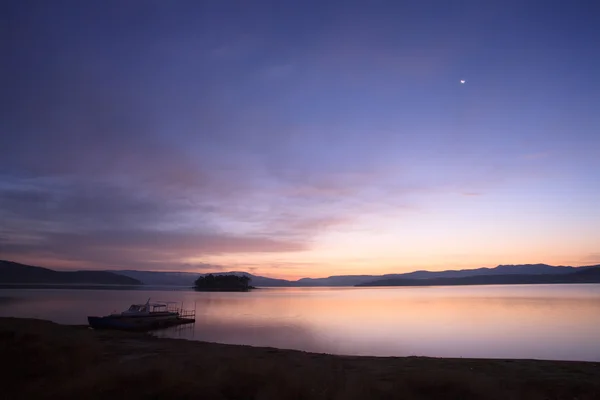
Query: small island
<point x="223" y="283"/>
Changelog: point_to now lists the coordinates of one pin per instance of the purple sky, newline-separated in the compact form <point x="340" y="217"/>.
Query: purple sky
<point x="299" y="138"/>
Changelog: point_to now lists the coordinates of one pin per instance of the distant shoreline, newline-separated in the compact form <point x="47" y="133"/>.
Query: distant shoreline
<point x="41" y="286"/>
<point x="587" y="275"/>
<point x="244" y="290"/>
<point x="12" y="273"/>
<point x="81" y="362"/>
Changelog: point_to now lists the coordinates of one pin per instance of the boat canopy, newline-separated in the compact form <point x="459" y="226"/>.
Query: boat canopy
<point x="145" y="308"/>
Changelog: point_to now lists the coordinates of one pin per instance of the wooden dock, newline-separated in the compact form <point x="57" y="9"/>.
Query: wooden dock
<point x="177" y="315"/>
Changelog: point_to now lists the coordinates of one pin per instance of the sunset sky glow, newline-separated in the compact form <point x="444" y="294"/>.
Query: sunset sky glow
<point x="299" y="138"/>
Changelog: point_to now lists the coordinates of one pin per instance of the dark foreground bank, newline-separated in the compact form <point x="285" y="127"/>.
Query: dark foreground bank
<point x="46" y="360"/>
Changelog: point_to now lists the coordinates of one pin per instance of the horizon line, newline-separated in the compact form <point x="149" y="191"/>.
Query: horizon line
<point x="304" y="277"/>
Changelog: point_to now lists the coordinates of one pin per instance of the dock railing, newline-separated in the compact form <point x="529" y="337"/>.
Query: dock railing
<point x="179" y="309"/>
<point x="187" y="313"/>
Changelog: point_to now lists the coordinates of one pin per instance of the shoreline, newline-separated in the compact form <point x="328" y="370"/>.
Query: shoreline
<point x="144" y="287"/>
<point x="45" y="359"/>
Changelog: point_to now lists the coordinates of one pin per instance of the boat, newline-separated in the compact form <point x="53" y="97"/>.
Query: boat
<point x="145" y="316"/>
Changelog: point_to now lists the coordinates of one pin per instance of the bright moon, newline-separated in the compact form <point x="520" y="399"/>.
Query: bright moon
<point x="462" y="81"/>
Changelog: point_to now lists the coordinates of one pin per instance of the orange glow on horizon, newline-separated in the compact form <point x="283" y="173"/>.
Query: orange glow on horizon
<point x="294" y="271"/>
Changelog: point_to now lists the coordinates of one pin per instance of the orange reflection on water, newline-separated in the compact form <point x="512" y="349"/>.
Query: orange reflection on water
<point x="515" y="322"/>
<point x="537" y="321"/>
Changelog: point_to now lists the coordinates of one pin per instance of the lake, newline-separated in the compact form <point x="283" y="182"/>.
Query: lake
<point x="556" y="322"/>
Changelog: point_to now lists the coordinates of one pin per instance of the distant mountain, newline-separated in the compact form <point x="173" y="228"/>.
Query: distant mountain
<point x="188" y="278"/>
<point x="15" y="273"/>
<point x="9" y="273"/>
<point x="337" y="280"/>
<point x="525" y="269"/>
<point x="155" y="278"/>
<point x="582" y="275"/>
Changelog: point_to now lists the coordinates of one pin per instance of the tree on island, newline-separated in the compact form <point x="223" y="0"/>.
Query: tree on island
<point x="223" y="283"/>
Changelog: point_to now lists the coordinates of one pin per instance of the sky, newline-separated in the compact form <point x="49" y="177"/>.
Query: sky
<point x="294" y="139"/>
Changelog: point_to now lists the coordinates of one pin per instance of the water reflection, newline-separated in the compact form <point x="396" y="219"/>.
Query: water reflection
<point x="539" y="321"/>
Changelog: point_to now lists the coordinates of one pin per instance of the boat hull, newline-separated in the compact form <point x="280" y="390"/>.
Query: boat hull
<point x="131" y="323"/>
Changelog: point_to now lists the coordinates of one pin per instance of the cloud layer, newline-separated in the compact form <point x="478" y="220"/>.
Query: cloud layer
<point x="153" y="135"/>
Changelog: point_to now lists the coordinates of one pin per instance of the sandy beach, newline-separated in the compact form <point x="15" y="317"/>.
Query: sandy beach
<point x="47" y="360"/>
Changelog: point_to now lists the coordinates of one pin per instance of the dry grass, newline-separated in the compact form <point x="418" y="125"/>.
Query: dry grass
<point x="45" y="360"/>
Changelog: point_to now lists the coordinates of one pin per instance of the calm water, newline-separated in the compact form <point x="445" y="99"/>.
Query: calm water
<point x="560" y="322"/>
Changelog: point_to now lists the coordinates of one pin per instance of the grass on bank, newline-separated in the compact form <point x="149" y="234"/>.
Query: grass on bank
<point x="45" y="360"/>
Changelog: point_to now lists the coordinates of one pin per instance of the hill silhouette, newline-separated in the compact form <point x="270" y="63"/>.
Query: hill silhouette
<point x="15" y="273"/>
<point x="528" y="272"/>
<point x="185" y="278"/>
<point x="586" y="275"/>
<point x="520" y="269"/>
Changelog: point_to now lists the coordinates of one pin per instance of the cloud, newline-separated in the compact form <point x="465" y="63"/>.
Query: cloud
<point x="303" y="226"/>
<point x="144" y="246"/>
<point x="593" y="258"/>
<point x="138" y="248"/>
<point x="109" y="225"/>
<point x="151" y="146"/>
